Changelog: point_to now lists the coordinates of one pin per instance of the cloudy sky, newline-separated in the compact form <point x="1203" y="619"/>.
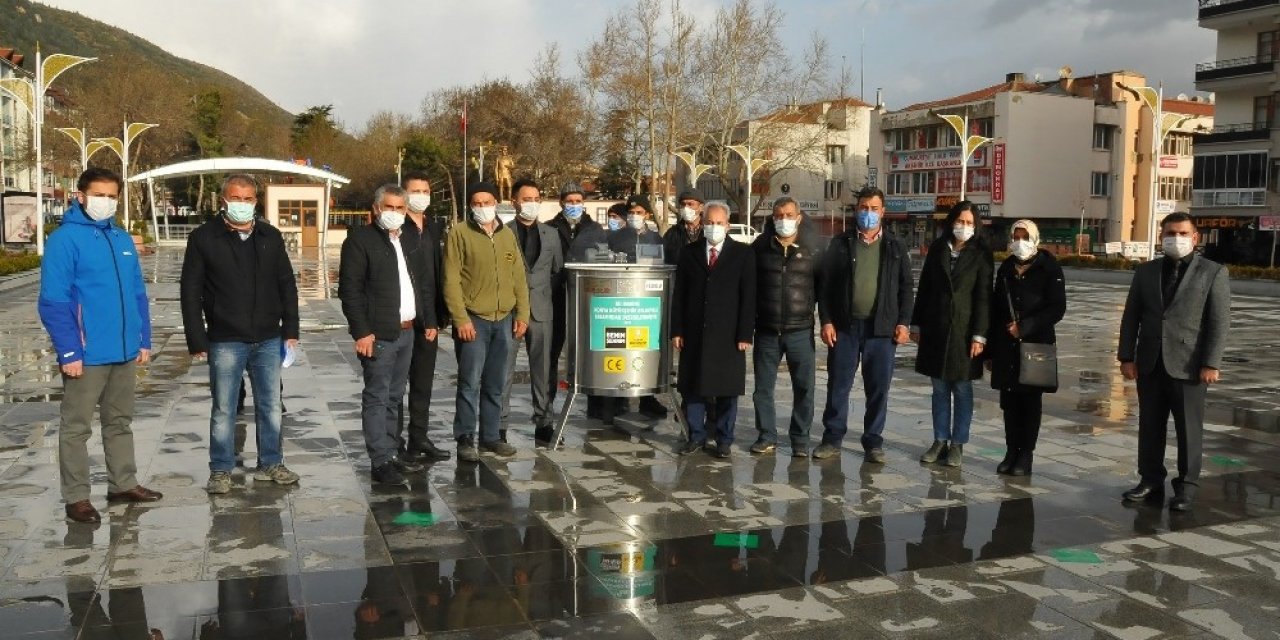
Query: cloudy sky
<point x="368" y="55"/>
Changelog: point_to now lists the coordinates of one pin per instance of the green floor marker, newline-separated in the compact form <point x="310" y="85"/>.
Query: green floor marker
<point x="991" y="453"/>
<point x="1082" y="556"/>
<point x="415" y="519"/>
<point x="1226" y="461"/>
<point x="734" y="539"/>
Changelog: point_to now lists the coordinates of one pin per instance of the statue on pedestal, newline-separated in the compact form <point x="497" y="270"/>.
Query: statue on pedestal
<point x="502" y="167"/>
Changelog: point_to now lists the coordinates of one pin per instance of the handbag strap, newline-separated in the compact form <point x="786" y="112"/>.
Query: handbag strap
<point x="1008" y="296"/>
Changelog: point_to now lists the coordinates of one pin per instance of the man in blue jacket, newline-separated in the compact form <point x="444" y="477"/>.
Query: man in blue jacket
<point x="93" y="304"/>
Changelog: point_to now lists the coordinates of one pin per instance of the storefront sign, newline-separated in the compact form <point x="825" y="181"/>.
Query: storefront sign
<point x="910" y="205"/>
<point x="1168" y="162"/>
<point x="1111" y="248"/>
<point x="1136" y="250"/>
<point x="1269" y="223"/>
<point x="997" y="173"/>
<point x="1165" y="206"/>
<point x="631" y="324"/>
<point x="806" y="206"/>
<point x="1222" y="222"/>
<point x="934" y="159"/>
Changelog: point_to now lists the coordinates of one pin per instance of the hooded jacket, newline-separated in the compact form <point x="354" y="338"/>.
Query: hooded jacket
<point x="93" y="302"/>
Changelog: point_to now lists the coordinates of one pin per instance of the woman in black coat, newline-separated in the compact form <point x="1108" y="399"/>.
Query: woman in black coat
<point x="949" y="323"/>
<point x="1030" y="297"/>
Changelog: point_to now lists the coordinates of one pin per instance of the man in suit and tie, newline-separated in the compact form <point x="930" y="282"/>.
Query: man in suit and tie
<point x="543" y="264"/>
<point x="1172" y="335"/>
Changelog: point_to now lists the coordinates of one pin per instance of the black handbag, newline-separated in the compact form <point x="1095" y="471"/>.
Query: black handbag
<point x="1037" y="362"/>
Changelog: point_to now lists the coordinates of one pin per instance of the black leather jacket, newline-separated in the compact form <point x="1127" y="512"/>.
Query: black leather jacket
<point x="787" y="281"/>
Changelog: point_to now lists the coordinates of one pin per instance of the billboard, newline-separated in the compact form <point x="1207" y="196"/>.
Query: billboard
<point x="20" y="219"/>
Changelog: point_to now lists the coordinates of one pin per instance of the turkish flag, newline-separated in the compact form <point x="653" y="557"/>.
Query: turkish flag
<point x="463" y="121"/>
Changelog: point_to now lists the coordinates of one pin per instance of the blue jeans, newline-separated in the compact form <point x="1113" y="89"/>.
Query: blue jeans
<point x="227" y="364"/>
<point x="482" y="374"/>
<point x="769" y="349"/>
<point x="944" y="391"/>
<point x="385" y="377"/>
<point x="695" y="412"/>
<point x="858" y="344"/>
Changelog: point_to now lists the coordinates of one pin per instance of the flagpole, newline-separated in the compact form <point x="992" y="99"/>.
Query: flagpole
<point x="463" y="205"/>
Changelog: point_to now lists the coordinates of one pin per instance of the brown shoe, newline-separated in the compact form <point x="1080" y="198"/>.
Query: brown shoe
<point x="136" y="494"/>
<point x="83" y="511"/>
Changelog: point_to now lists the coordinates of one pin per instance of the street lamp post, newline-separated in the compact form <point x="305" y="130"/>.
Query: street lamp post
<point x="968" y="144"/>
<point x="1162" y="123"/>
<point x="87" y="147"/>
<point x="751" y="166"/>
<point x="695" y="170"/>
<point x="30" y="94"/>
<point x="121" y="148"/>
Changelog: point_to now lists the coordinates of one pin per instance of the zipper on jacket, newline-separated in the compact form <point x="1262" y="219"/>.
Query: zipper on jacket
<point x="124" y="332"/>
<point x="497" y="276"/>
<point x="782" y="299"/>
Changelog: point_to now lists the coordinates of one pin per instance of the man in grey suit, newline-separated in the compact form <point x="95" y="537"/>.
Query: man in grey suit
<point x="543" y="263"/>
<point x="1172" y="336"/>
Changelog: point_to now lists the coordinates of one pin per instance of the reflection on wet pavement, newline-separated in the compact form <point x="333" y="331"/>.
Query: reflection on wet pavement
<point x="614" y="535"/>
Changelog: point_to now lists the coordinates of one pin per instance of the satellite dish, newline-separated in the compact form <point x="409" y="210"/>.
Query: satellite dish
<point x="1183" y="96"/>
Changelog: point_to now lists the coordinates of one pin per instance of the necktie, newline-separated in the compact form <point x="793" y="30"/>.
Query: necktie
<point x="1170" y="282"/>
<point x="714" y="255"/>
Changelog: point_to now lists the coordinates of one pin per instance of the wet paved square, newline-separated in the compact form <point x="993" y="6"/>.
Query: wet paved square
<point x="615" y="536"/>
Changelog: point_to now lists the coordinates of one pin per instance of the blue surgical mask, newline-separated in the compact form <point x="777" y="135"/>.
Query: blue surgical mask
<point x="615" y="223"/>
<point x="868" y="219"/>
<point x="574" y="211"/>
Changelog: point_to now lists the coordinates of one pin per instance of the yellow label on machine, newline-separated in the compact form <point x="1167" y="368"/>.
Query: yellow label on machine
<point x="614" y="364"/>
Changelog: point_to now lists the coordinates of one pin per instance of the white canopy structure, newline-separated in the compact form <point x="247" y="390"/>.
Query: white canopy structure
<point x="242" y="165"/>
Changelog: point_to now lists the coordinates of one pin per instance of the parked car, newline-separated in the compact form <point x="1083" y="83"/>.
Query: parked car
<point x="743" y="233"/>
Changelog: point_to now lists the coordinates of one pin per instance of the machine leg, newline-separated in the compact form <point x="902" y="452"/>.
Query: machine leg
<point x="563" y="418"/>
<point x="681" y="425"/>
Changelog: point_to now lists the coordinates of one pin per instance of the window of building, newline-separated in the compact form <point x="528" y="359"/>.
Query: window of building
<point x="1102" y="137"/>
<point x="1262" y="112"/>
<point x="292" y="212"/>
<point x="833" y="189"/>
<point x="835" y="154"/>
<point x="1171" y="188"/>
<point x="1100" y="185"/>
<point x="899" y="184"/>
<point x="985" y="127"/>
<point x="923" y="182"/>
<point x="1268" y="46"/>
<point x="1230" y="171"/>
<point x="1177" y="144"/>
<point x="949" y="137"/>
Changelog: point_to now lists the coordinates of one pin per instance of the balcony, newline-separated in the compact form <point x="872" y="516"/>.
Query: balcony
<point x="1216" y="8"/>
<point x="1229" y="198"/>
<point x="1234" y="68"/>
<point x="1235" y="133"/>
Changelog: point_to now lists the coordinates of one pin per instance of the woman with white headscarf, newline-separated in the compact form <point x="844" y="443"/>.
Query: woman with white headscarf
<point x="1030" y="297"/>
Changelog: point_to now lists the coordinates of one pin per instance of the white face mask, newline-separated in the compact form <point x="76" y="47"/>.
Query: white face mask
<point x="484" y="215"/>
<point x="1177" y="247"/>
<point x="240" y="212"/>
<point x="715" y="233"/>
<point x="390" y="220"/>
<point x="688" y="214"/>
<point x="636" y="222"/>
<point x="418" y="202"/>
<point x="962" y="232"/>
<point x="100" y="208"/>
<point x="506" y="218"/>
<point x="1022" y="249"/>
<point x="529" y="210"/>
<point x="786" y="227"/>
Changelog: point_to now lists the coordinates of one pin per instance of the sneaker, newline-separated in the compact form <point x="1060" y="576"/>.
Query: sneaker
<point x="542" y="436"/>
<point x="875" y="455"/>
<point x="799" y="451"/>
<point x="406" y="466"/>
<point x="387" y="473"/>
<point x="499" y="448"/>
<point x="937" y="450"/>
<point x="826" y="450"/>
<point x="219" y="482"/>
<point x="723" y="450"/>
<point x="688" y="448"/>
<point x="763" y="446"/>
<point x="954" y="455"/>
<point x="467" y="451"/>
<point x="277" y="473"/>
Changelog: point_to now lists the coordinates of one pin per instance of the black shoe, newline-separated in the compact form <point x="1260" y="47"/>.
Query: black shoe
<point x="651" y="408"/>
<point x="542" y="436"/>
<point x="1010" y="456"/>
<point x="1180" y="502"/>
<point x="405" y="466"/>
<point x="425" y="453"/>
<point x="1022" y="464"/>
<point x="723" y="450"/>
<point x="387" y="474"/>
<point x="688" y="448"/>
<point x="1144" y="492"/>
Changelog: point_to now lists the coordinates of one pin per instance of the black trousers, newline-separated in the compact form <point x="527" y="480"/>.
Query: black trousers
<point x="422" y="376"/>
<point x="1022" y="411"/>
<point x="1160" y="395"/>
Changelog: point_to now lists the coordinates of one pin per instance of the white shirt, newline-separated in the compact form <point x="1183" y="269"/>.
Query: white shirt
<point x="408" y="307"/>
<point x="719" y="249"/>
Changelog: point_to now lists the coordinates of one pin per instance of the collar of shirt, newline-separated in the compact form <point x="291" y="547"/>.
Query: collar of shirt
<point x="718" y="248"/>
<point x="879" y="232"/>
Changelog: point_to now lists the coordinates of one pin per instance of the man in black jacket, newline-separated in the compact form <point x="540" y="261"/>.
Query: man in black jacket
<point x="690" y="228"/>
<point x="420" y="232"/>
<point x="788" y="263"/>
<point x="239" y="300"/>
<point x="577" y="232"/>
<point x="865" y="309"/>
<point x="385" y="284"/>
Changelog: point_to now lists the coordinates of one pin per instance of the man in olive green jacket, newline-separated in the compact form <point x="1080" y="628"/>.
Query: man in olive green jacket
<point x="488" y="299"/>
